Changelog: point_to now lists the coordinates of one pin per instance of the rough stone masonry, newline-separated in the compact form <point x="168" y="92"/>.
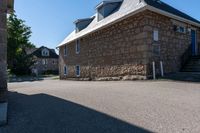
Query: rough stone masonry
<point x="3" y="50"/>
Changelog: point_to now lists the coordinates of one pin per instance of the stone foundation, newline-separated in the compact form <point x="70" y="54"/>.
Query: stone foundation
<point x="125" y="72"/>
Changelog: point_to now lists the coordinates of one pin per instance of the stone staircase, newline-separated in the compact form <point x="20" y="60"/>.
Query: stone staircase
<point x="193" y="65"/>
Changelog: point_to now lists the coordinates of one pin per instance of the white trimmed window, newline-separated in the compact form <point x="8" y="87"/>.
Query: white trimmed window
<point x="78" y="46"/>
<point x="45" y="52"/>
<point x="44" y="62"/>
<point x="65" y="70"/>
<point x="77" y="70"/>
<point x="181" y="29"/>
<point x="65" y="50"/>
<point x="155" y="35"/>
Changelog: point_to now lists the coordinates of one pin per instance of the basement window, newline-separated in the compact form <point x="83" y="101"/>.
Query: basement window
<point x="65" y="70"/>
<point x="77" y="70"/>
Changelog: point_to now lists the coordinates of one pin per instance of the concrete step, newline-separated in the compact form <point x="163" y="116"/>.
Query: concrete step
<point x="193" y="65"/>
<point x="190" y="70"/>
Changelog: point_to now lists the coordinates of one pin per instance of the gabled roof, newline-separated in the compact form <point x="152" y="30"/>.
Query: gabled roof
<point x="38" y="53"/>
<point x="84" y="19"/>
<point x="107" y="2"/>
<point x="128" y="8"/>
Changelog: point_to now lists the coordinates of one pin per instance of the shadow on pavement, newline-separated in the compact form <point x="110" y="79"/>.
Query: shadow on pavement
<point x="43" y="113"/>
<point x="24" y="79"/>
<point x="183" y="77"/>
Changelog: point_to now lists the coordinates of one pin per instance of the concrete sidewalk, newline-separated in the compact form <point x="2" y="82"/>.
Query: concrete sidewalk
<point x="3" y="113"/>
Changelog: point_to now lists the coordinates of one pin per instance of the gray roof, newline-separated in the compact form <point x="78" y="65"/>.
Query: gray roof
<point x="37" y="52"/>
<point x="165" y="7"/>
<point x="128" y="8"/>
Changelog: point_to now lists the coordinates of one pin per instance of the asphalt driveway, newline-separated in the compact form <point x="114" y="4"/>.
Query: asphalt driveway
<point x="53" y="106"/>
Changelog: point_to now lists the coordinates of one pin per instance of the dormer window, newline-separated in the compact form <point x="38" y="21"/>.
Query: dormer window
<point x="45" y="52"/>
<point x="106" y="8"/>
<point x="82" y="23"/>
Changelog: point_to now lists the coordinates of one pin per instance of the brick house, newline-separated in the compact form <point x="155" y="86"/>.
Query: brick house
<point x="124" y="37"/>
<point x="46" y="60"/>
<point x="6" y="6"/>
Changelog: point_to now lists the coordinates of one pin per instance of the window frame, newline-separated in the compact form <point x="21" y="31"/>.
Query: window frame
<point x="65" y="70"/>
<point x="65" y="50"/>
<point x="78" y="73"/>
<point x="43" y="62"/>
<point x="155" y="35"/>
<point x="181" y="29"/>
<point x="45" y="52"/>
<point x="78" y="46"/>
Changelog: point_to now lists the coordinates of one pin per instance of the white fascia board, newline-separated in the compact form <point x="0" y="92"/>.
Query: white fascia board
<point x="111" y="23"/>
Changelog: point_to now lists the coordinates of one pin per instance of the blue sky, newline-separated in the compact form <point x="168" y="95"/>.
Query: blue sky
<point x="52" y="20"/>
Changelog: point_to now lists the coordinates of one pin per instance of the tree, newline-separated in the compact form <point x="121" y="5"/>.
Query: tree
<point x="18" y="41"/>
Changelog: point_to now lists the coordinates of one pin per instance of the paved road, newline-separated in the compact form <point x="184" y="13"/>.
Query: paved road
<point x="52" y="106"/>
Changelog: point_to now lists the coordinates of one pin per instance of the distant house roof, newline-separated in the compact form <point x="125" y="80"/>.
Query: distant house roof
<point x="128" y="8"/>
<point x="38" y="52"/>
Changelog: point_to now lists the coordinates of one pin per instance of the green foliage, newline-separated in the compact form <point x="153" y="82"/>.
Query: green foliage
<point x="18" y="41"/>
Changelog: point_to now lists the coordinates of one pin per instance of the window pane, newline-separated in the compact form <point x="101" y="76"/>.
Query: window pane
<point x="65" y="50"/>
<point x="77" y="46"/>
<point x="155" y="35"/>
<point x="77" y="70"/>
<point x="65" y="70"/>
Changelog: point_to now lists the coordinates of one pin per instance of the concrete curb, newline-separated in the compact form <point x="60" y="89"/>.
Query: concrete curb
<point x="3" y="113"/>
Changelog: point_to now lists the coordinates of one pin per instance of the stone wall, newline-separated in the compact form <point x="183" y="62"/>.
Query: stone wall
<point x="119" y="50"/>
<point x="3" y="49"/>
<point x="127" y="48"/>
<point x="52" y="65"/>
<point x="171" y="45"/>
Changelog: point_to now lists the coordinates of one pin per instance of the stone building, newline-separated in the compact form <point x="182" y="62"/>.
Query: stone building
<point x="46" y="60"/>
<point x="6" y="6"/>
<point x="125" y="37"/>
